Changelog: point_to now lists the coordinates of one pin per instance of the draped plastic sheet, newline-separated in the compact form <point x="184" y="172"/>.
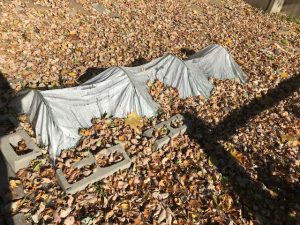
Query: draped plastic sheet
<point x="58" y="114"/>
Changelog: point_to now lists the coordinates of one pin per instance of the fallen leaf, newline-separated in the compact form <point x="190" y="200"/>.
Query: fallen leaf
<point x="35" y="218"/>
<point x="284" y="75"/>
<point x="109" y="214"/>
<point x="14" y="183"/>
<point x="162" y="216"/>
<point x="70" y="220"/>
<point x="134" y="121"/>
<point x="124" y="206"/>
<point x="65" y="212"/>
<point x="228" y="41"/>
<point x="72" y="74"/>
<point x="237" y="155"/>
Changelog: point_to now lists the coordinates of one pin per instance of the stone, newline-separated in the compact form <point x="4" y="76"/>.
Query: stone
<point x="100" y="8"/>
<point x="77" y="7"/>
<point x="31" y="4"/>
<point x="195" y="9"/>
<point x="114" y="15"/>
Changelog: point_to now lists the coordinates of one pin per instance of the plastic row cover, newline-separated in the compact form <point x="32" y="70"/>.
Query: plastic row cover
<point x="58" y="114"/>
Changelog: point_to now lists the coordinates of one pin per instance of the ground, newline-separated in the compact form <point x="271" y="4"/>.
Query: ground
<point x="239" y="161"/>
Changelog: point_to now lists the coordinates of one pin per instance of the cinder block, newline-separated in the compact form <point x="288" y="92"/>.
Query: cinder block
<point x="14" y="160"/>
<point x="173" y="132"/>
<point x="18" y="219"/>
<point x="89" y="160"/>
<point x="161" y="142"/>
<point x="99" y="174"/>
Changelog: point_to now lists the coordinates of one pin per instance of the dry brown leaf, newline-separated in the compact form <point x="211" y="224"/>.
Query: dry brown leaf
<point x="65" y="212"/>
<point x="109" y="214"/>
<point x="162" y="216"/>
<point x="85" y="132"/>
<point x="70" y="220"/>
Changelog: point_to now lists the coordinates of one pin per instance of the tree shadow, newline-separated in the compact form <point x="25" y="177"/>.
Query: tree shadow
<point x="257" y="200"/>
<point x="94" y="71"/>
<point x="187" y="51"/>
<point x="6" y="173"/>
<point x="90" y="73"/>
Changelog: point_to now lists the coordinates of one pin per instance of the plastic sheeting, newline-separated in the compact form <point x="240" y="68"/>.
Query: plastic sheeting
<point x="58" y="114"/>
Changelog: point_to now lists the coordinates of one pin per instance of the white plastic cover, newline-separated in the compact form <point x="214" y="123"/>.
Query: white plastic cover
<point x="58" y="114"/>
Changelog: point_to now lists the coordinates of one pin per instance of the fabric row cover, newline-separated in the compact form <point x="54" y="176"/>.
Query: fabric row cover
<point x="57" y="114"/>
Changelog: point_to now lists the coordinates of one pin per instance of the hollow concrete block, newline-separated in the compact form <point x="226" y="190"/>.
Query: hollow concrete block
<point x="99" y="174"/>
<point x="15" y="161"/>
<point x="173" y="132"/>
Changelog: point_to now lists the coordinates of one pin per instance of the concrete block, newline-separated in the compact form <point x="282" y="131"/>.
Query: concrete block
<point x="89" y="160"/>
<point x="100" y="172"/>
<point x="14" y="160"/>
<point x="161" y="142"/>
<point x="18" y="219"/>
<point x="173" y="132"/>
<point x="148" y="133"/>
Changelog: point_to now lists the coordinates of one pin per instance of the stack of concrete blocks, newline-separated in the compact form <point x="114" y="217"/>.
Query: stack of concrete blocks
<point x="173" y="132"/>
<point x="99" y="173"/>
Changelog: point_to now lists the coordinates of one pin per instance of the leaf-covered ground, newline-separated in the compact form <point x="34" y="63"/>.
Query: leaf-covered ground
<point x="239" y="161"/>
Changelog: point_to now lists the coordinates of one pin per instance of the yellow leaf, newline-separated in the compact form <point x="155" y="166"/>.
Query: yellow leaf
<point x="238" y="156"/>
<point x="227" y="201"/>
<point x="228" y="41"/>
<point x="14" y="183"/>
<point x="121" y="138"/>
<point x="85" y="132"/>
<point x="284" y="75"/>
<point x="134" y="121"/>
<point x="124" y="206"/>
<point x="73" y="32"/>
<point x="294" y="140"/>
<point x="72" y="74"/>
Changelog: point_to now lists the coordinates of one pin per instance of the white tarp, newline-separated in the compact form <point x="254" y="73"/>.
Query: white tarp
<point x="58" y="114"/>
